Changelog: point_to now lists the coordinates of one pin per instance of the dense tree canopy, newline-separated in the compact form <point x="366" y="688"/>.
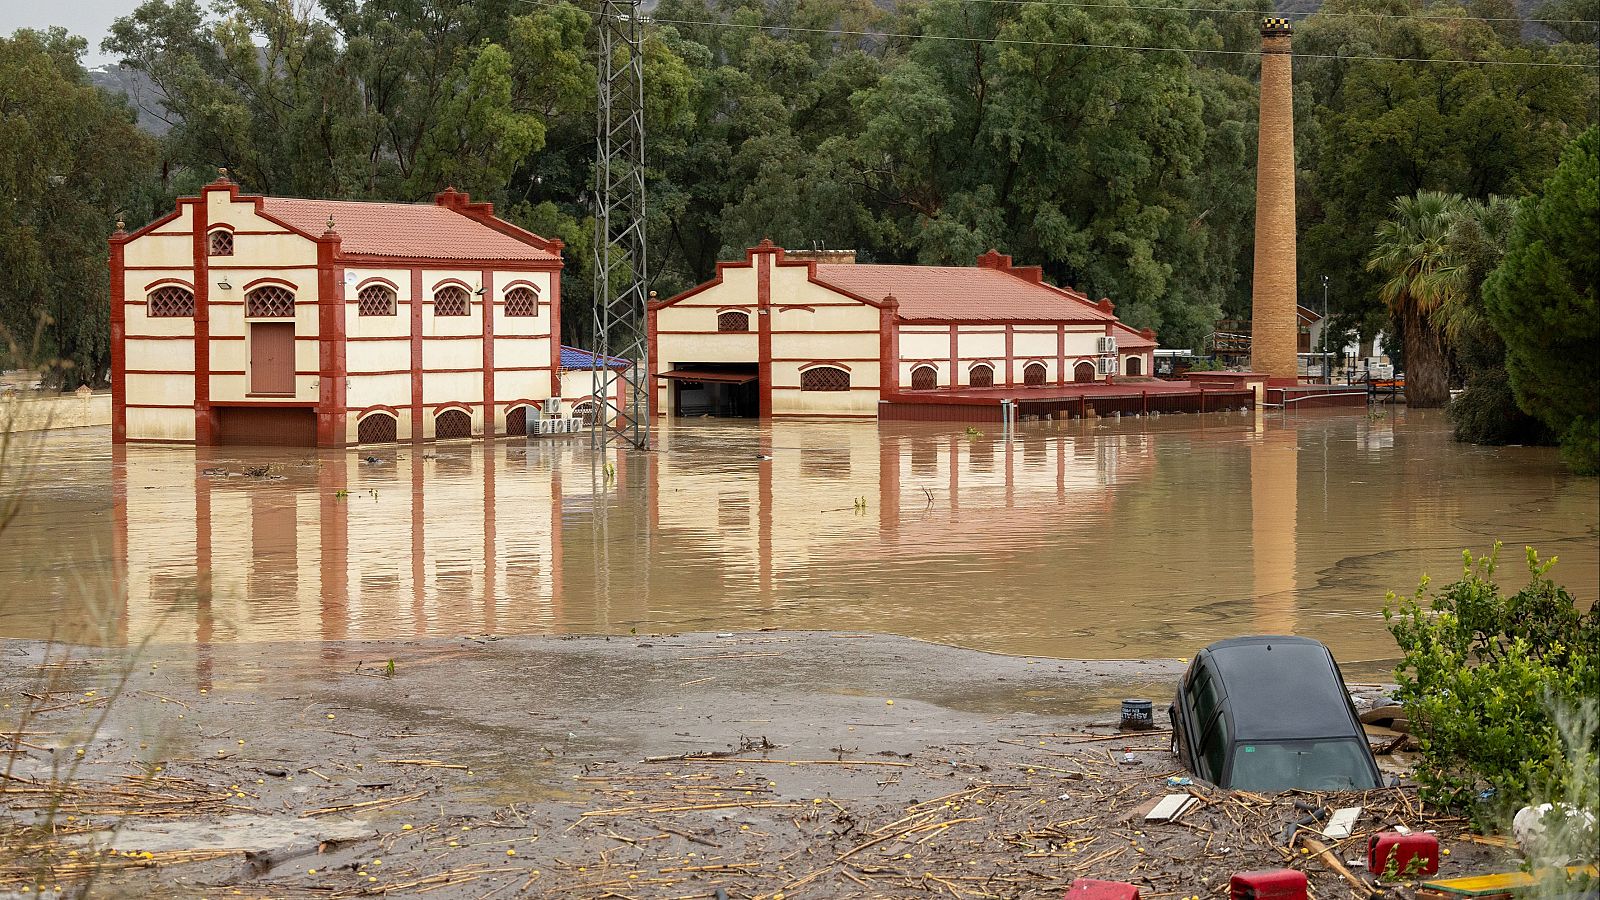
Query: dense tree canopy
<point x="925" y="131"/>
<point x="1542" y="300"/>
<point x="71" y="161"/>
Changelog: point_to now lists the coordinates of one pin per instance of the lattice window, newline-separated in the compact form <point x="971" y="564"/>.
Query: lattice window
<point x="824" y="378"/>
<point x="378" y="428"/>
<point x="584" y="411"/>
<point x="733" y="321"/>
<point x="376" y="300"/>
<point x="450" y="301"/>
<point x="1033" y="375"/>
<point x="1083" y="371"/>
<point x="222" y="242"/>
<point x="981" y="376"/>
<point x="521" y="301"/>
<point x="452" y="423"/>
<point x="169" y="302"/>
<point x="924" y="378"/>
<point x="517" y="421"/>
<point x="269" y="302"/>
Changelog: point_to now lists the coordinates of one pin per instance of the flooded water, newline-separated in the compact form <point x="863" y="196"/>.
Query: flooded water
<point x="1130" y="538"/>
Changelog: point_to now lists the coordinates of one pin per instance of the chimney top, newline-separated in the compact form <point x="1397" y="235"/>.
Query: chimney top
<point x="1272" y="26"/>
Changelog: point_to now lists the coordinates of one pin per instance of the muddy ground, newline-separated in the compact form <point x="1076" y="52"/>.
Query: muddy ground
<point x="851" y="766"/>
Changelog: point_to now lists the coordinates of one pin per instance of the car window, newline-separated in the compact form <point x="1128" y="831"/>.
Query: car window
<point x="1204" y="692"/>
<point x="1332" y="765"/>
<point x="1214" y="747"/>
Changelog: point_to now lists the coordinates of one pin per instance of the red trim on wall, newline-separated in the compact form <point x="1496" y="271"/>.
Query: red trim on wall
<point x="763" y="329"/>
<point x="654" y="350"/>
<point x="204" y="423"/>
<point x="281" y="282"/>
<point x="363" y="413"/>
<point x="1011" y="359"/>
<point x="555" y="328"/>
<point x="830" y="363"/>
<point x="955" y="355"/>
<point x="119" y="355"/>
<point x="416" y="355"/>
<point x="331" y="431"/>
<point x="378" y="279"/>
<point x="486" y="278"/>
<point x="179" y="282"/>
<point x="888" y="346"/>
<point x="520" y="282"/>
<point x="1061" y="354"/>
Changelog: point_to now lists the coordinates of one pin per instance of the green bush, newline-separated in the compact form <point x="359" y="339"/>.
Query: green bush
<point x="1484" y="679"/>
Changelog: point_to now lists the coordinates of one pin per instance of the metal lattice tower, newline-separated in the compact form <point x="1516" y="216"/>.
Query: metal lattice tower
<point x="620" y="273"/>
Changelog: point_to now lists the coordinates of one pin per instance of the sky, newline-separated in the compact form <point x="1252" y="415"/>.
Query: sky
<point x="90" y="19"/>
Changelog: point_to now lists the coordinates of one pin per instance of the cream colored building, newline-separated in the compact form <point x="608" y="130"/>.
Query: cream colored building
<point x="784" y="334"/>
<point x="248" y="319"/>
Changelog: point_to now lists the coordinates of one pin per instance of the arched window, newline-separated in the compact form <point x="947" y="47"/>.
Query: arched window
<point x="376" y="300"/>
<point x="452" y="423"/>
<point x="981" y="376"/>
<point x="924" y="378"/>
<point x="824" y="378"/>
<point x="169" y="302"/>
<point x="450" y="300"/>
<point x="733" y="320"/>
<point x="1134" y="366"/>
<point x="1083" y="371"/>
<point x="584" y="411"/>
<point x="270" y="301"/>
<point x="221" y="243"/>
<point x="517" y="421"/>
<point x="378" y="428"/>
<point x="521" y="301"/>
<point x="1033" y="374"/>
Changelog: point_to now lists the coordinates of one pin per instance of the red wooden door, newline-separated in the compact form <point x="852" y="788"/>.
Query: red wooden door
<point x="272" y="357"/>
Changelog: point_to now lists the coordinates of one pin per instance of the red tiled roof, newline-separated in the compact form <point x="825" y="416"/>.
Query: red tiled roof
<point x="1131" y="339"/>
<point x="960" y="292"/>
<point x="421" y="230"/>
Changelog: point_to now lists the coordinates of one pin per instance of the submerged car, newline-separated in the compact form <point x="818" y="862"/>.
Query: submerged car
<point x="1270" y="714"/>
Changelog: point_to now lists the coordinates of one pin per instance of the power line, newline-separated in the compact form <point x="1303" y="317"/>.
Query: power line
<point x="1252" y="12"/>
<point x="837" y="32"/>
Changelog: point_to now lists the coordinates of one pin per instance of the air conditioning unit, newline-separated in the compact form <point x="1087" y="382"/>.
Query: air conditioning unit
<point x="1106" y="344"/>
<point x="1108" y="365"/>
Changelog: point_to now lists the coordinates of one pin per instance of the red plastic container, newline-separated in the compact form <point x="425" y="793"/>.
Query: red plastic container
<point x="1268" y="884"/>
<point x="1089" y="889"/>
<point x="1391" y="854"/>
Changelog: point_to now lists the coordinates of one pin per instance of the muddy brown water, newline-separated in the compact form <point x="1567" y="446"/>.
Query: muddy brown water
<point x="1130" y="538"/>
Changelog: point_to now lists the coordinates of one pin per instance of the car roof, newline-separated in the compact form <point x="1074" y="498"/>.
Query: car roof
<point x="1281" y="687"/>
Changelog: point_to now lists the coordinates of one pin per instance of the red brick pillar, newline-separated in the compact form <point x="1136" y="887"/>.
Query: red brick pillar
<point x="1273" y="324"/>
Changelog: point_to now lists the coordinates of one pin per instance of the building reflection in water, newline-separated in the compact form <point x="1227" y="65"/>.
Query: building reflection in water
<point x="1080" y="538"/>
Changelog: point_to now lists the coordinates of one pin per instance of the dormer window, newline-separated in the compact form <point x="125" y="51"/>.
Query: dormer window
<point x="221" y="243"/>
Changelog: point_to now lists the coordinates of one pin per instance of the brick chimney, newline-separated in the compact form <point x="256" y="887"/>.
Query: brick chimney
<point x="1273" y="318"/>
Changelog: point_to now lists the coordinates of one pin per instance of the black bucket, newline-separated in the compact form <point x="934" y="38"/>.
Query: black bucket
<point x="1138" y="715"/>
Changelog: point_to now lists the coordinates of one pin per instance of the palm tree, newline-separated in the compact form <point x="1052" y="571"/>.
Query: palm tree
<point x="1413" y="250"/>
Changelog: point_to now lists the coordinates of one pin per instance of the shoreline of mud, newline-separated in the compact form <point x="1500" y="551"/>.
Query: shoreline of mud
<point x="671" y="765"/>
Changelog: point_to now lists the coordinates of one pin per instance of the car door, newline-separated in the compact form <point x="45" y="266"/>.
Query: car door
<point x="1209" y="732"/>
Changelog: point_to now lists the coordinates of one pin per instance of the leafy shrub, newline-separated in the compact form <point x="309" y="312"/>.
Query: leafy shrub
<point x="1483" y="677"/>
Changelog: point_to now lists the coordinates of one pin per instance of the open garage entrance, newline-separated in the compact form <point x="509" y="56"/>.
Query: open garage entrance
<point x="722" y="390"/>
<point x="277" y="426"/>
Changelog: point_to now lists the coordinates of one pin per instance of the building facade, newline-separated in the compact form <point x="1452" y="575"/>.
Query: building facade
<point x="783" y="333"/>
<point x="249" y="319"/>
